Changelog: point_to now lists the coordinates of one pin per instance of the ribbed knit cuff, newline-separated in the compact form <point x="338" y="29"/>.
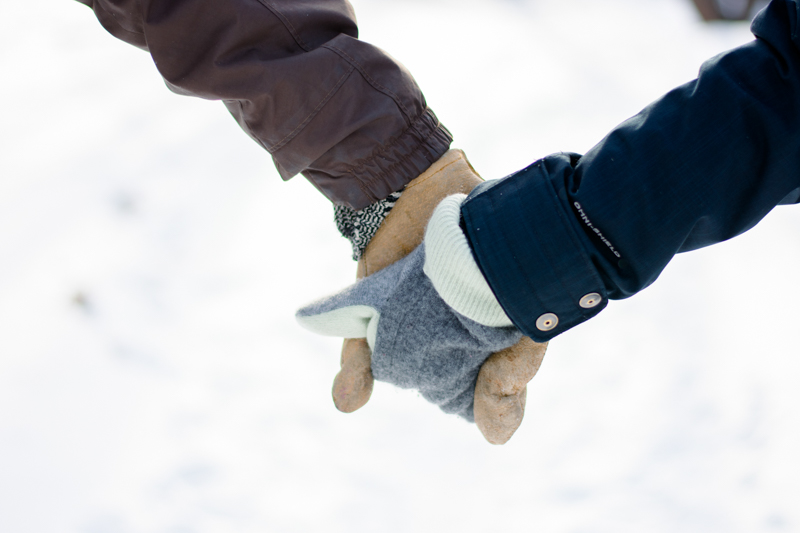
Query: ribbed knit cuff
<point x="452" y="269"/>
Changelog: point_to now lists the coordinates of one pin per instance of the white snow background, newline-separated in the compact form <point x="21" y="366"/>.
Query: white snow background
<point x="152" y="376"/>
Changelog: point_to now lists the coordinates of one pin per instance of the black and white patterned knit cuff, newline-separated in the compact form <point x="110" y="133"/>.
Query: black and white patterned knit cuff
<point x="360" y="226"/>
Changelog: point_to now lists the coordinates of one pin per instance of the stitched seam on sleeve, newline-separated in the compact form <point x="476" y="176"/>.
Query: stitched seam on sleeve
<point x="370" y="80"/>
<point x="364" y="179"/>
<point x="292" y="134"/>
<point x="250" y="130"/>
<point x="363" y="186"/>
<point x="288" y="25"/>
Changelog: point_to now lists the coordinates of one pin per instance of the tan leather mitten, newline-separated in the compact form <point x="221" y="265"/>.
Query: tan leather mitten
<point x="502" y="382"/>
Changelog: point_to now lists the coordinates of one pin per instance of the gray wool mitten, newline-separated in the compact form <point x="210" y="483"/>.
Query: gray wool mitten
<point x="417" y="340"/>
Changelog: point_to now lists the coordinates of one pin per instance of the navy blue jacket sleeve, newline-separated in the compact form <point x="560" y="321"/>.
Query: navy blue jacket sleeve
<point x="704" y="163"/>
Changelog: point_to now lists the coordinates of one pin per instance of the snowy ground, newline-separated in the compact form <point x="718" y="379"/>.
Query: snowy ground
<point x="152" y="378"/>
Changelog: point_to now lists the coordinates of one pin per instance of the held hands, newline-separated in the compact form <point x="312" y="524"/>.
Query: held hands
<point x="417" y="341"/>
<point x="399" y="329"/>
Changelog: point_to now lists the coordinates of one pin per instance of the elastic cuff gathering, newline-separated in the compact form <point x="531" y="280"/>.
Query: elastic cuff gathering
<point x="390" y="168"/>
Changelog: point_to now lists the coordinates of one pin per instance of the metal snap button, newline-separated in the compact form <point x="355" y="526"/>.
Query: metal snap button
<point x="546" y="322"/>
<point x="590" y="300"/>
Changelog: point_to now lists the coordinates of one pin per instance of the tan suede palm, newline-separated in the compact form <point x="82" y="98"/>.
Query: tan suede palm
<point x="502" y="383"/>
<point x="404" y="227"/>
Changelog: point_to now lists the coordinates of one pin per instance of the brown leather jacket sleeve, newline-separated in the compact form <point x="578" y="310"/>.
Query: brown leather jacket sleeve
<point x="295" y="76"/>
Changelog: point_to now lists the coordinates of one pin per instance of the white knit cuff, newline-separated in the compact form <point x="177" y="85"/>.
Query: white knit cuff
<point x="452" y="269"/>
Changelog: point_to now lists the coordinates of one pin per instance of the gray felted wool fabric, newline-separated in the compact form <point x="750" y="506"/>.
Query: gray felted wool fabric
<point x="417" y="340"/>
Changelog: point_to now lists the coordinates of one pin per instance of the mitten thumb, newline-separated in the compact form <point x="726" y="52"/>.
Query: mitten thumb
<point x="350" y="322"/>
<point x="352" y="313"/>
<point x="352" y="386"/>
<point x="358" y="324"/>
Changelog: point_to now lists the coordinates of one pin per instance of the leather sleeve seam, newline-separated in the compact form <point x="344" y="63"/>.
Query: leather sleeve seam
<point x="287" y="24"/>
<point x="380" y="88"/>
<point x="292" y="134"/>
